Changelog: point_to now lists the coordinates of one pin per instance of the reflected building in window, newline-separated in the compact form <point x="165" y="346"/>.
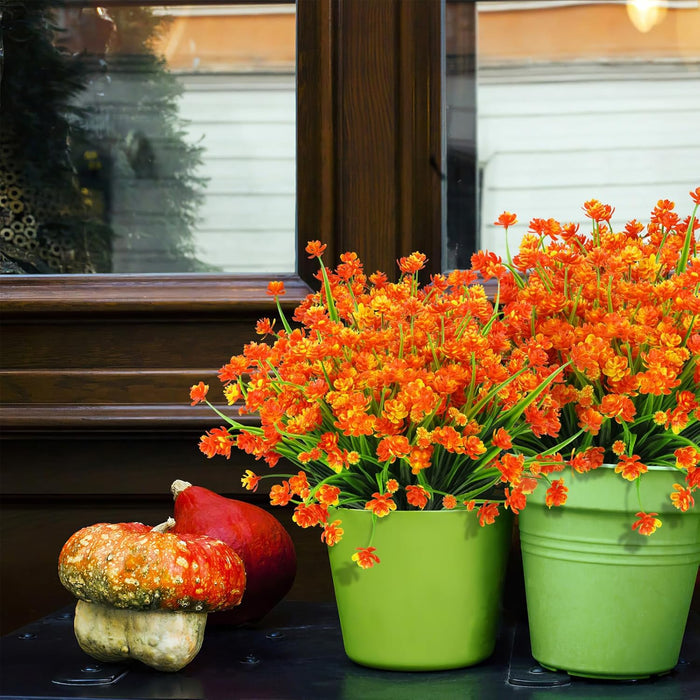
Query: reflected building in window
<point x="144" y="139"/>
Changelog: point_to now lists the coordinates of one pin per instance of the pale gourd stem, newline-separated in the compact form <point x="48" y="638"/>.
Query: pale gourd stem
<point x="178" y="486"/>
<point x="169" y="524"/>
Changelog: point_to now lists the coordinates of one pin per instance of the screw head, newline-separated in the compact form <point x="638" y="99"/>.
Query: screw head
<point x="250" y="660"/>
<point x="91" y="668"/>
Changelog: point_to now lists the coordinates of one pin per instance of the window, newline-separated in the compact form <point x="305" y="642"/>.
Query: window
<point x="574" y="101"/>
<point x="160" y="139"/>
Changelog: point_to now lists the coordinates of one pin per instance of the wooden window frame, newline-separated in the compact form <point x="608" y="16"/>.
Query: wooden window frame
<point x="95" y="417"/>
<point x="369" y="162"/>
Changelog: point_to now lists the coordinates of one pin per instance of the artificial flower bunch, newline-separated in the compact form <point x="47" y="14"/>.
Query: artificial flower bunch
<point x="390" y="395"/>
<point x="624" y="309"/>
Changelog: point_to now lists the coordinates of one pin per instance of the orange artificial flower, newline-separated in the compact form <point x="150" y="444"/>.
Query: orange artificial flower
<point x="299" y="485"/>
<point x="488" y="264"/>
<point x="392" y="447"/>
<point x="687" y="457"/>
<point x="592" y="458"/>
<point x="380" y="504"/>
<point x="232" y="392"/>
<point x="413" y="263"/>
<point x="473" y="446"/>
<point x="449" y="502"/>
<point x="332" y="533"/>
<point x="365" y="557"/>
<point x="216" y="441"/>
<point x="236" y="366"/>
<point x="501" y="438"/>
<point x="682" y="498"/>
<point x="693" y="477"/>
<point x="597" y="211"/>
<point x="315" y="249"/>
<point x="630" y="467"/>
<point x="506" y="219"/>
<point x="556" y="493"/>
<point x="392" y="486"/>
<point x="488" y="513"/>
<point x="198" y="393"/>
<point x="590" y="420"/>
<point x="328" y="495"/>
<point x="618" y="407"/>
<point x="515" y="499"/>
<point x="527" y="485"/>
<point x="250" y="480"/>
<point x="309" y="515"/>
<point x="264" y="326"/>
<point x="280" y="494"/>
<point x="511" y="467"/>
<point x="417" y="496"/>
<point x="420" y="458"/>
<point x="647" y="523"/>
<point x="276" y="289"/>
<point x="618" y="447"/>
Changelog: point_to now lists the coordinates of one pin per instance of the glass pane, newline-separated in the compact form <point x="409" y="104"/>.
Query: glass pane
<point x="147" y="138"/>
<point x="580" y="100"/>
<point x="462" y="215"/>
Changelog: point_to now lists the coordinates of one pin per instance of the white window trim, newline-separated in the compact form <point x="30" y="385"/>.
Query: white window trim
<point x="511" y="5"/>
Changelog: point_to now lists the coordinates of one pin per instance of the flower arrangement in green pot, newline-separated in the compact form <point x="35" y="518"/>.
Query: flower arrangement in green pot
<point x="622" y="307"/>
<point x="391" y="399"/>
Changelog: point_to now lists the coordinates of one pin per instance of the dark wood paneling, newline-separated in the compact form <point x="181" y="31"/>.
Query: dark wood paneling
<point x="139" y="344"/>
<point x="119" y="465"/>
<point x="162" y="386"/>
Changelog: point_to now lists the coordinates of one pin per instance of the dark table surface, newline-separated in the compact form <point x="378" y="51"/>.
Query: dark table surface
<point x="297" y="652"/>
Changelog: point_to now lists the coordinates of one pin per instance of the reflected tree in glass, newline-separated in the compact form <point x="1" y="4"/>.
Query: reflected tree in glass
<point x="120" y="174"/>
<point x="46" y="224"/>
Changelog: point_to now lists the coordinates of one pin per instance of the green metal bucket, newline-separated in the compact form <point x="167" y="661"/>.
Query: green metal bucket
<point x="604" y="601"/>
<point x="433" y="603"/>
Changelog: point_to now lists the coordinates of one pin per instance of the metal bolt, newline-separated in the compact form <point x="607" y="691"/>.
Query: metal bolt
<point x="537" y="669"/>
<point x="250" y="660"/>
<point x="275" y="635"/>
<point x="26" y="635"/>
<point x="92" y="668"/>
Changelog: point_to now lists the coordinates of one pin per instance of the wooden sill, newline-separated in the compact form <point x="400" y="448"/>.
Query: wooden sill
<point x="191" y="294"/>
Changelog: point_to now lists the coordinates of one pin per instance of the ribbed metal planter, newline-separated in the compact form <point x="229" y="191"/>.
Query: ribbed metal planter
<point x="604" y="601"/>
<point x="433" y="602"/>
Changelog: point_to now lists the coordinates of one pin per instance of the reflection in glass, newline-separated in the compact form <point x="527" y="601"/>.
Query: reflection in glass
<point x="146" y="139"/>
<point x="462" y="212"/>
<point x="574" y="101"/>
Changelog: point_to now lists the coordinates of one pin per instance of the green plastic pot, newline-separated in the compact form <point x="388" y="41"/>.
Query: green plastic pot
<point x="604" y="601"/>
<point x="433" y="603"/>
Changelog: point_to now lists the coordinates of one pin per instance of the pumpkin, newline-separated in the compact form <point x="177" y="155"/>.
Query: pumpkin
<point x="144" y="592"/>
<point x="258" y="537"/>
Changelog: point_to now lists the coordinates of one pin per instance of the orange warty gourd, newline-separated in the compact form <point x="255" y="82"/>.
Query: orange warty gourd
<point x="131" y="565"/>
<point x="257" y="536"/>
<point x="145" y="593"/>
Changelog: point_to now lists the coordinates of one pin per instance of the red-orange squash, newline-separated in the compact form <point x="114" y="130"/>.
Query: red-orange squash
<point x="257" y="536"/>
